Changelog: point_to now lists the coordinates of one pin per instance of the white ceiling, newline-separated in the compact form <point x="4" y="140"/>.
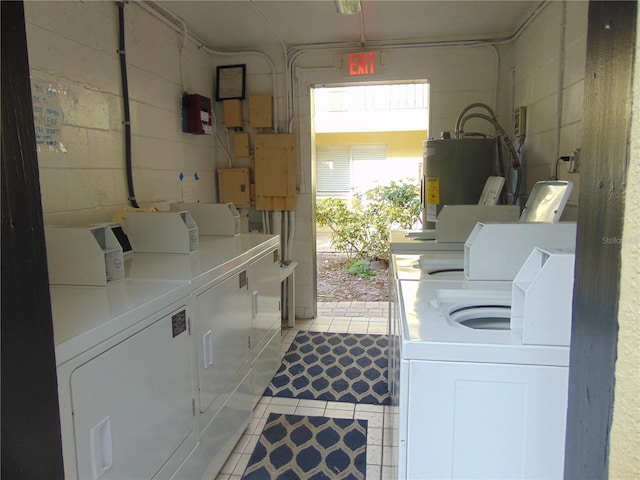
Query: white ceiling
<point x="252" y="24"/>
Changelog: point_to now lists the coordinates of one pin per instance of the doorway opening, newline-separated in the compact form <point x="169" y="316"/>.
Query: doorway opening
<point x="367" y="164"/>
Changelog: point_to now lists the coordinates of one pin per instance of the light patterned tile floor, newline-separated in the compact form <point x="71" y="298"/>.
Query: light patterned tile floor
<point x="372" y="318"/>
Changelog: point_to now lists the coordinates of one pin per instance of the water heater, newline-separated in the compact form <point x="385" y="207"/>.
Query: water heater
<point x="455" y="171"/>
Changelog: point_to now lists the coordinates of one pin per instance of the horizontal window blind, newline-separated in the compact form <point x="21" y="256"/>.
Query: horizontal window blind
<point x="333" y="169"/>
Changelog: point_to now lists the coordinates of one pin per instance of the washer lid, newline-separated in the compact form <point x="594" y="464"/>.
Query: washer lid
<point x="429" y="332"/>
<point x="434" y="265"/>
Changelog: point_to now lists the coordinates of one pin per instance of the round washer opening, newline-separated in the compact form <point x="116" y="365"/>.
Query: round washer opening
<point x="483" y="317"/>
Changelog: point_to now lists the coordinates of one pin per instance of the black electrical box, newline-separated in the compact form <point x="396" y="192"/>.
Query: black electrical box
<point x="196" y="115"/>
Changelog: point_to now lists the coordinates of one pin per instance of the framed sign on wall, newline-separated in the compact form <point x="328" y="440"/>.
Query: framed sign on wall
<point x="230" y="82"/>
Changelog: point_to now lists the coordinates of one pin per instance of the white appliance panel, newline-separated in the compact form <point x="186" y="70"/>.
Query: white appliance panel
<point x="223" y="321"/>
<point x="120" y="433"/>
<point x="221" y="434"/>
<point x="484" y="421"/>
<point x="264" y="286"/>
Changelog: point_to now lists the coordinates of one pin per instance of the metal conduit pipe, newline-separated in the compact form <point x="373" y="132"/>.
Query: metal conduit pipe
<point x="127" y="113"/>
<point x="457" y="131"/>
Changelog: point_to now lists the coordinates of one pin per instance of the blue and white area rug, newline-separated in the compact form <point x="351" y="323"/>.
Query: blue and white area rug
<point x="294" y="447"/>
<point x="338" y="367"/>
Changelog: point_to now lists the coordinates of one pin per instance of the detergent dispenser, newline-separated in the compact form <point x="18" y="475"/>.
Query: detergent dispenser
<point x="162" y="232"/>
<point x="456" y="222"/>
<point x="497" y="251"/>
<point x="212" y="218"/>
<point x="83" y="255"/>
<point x="541" y="298"/>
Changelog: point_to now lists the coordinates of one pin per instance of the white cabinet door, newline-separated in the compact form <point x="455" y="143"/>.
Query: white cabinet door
<point x="223" y="321"/>
<point x="483" y="421"/>
<point x="264" y="287"/>
<point x="132" y="404"/>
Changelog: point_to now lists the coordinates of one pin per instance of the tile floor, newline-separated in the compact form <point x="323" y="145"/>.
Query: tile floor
<point x="352" y="317"/>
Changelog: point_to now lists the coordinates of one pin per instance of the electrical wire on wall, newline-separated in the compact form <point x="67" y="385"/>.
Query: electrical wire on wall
<point x="126" y="110"/>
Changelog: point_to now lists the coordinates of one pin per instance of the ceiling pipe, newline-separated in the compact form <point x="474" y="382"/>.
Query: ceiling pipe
<point x="285" y="54"/>
<point x="160" y="12"/>
<point x="430" y="43"/>
<point x="363" y="40"/>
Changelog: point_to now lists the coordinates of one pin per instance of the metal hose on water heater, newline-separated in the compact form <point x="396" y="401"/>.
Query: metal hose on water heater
<point x="515" y="161"/>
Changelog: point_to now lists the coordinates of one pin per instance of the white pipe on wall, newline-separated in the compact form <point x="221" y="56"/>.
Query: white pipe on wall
<point x="561" y="60"/>
<point x="159" y="11"/>
<point x="276" y="225"/>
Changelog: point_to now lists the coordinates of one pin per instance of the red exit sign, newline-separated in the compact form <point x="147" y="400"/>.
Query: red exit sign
<point x="362" y="63"/>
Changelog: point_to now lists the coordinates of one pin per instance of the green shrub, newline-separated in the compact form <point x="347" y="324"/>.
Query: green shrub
<point x="361" y="228"/>
<point x="360" y="268"/>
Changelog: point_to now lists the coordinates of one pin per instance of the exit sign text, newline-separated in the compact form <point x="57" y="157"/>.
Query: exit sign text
<point x="363" y="63"/>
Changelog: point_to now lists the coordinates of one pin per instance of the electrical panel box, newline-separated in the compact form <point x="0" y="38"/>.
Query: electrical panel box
<point x="232" y="113"/>
<point x="234" y="186"/>
<point x="275" y="171"/>
<point x="520" y="122"/>
<point x="261" y="111"/>
<point x="196" y="115"/>
<point x="241" y="144"/>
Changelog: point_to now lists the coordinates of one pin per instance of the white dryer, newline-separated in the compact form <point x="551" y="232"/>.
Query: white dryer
<point x="235" y="290"/>
<point x="480" y="374"/>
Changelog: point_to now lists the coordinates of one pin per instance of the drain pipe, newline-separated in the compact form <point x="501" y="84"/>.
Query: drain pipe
<point x="127" y="113"/>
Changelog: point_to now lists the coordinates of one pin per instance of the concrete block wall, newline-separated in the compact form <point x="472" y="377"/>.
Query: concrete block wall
<point x="73" y="50"/>
<point x="547" y="70"/>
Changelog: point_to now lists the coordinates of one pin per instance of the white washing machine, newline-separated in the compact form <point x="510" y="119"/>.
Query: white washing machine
<point x="493" y="251"/>
<point x="545" y="203"/>
<point x="481" y="371"/>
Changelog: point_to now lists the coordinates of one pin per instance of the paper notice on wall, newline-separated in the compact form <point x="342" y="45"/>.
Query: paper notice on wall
<point x="48" y="116"/>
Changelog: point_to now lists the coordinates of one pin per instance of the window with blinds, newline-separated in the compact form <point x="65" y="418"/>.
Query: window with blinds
<point x="342" y="168"/>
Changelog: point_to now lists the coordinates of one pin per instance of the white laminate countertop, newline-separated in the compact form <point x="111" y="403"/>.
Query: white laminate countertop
<point x="84" y="316"/>
<point x="217" y="257"/>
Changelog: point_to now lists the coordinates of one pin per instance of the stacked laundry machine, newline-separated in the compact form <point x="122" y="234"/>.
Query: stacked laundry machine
<point x="479" y="349"/>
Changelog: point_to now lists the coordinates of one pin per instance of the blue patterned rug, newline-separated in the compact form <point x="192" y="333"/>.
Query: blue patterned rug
<point x="294" y="447"/>
<point x="338" y="367"/>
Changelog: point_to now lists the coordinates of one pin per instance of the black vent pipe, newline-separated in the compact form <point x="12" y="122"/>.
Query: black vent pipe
<point x="127" y="113"/>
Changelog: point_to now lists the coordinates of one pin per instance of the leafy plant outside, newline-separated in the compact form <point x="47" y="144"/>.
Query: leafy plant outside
<point x="360" y="268"/>
<point x="360" y="228"/>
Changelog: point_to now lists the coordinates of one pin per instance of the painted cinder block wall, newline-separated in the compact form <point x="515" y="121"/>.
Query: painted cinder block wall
<point x="546" y="74"/>
<point x="73" y="48"/>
